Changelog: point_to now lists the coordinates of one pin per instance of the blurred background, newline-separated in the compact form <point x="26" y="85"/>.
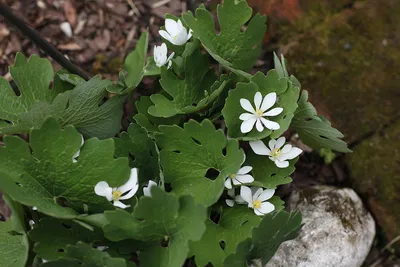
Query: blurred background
<point x="346" y="53"/>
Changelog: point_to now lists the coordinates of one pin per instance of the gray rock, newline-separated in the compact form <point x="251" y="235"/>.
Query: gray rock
<point x="338" y="231"/>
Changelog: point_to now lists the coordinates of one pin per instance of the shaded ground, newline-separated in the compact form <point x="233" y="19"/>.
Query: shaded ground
<point x="344" y="52"/>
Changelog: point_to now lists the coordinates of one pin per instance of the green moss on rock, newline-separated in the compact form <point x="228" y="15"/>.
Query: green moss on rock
<point x="375" y="173"/>
<point x="349" y="61"/>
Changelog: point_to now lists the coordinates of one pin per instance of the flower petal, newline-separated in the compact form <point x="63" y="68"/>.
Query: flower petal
<point x="273" y="112"/>
<point x="243" y="179"/>
<point x="169" y="64"/>
<point x="230" y="202"/>
<point x="189" y="35"/>
<point x="259" y="148"/>
<point x="171" y="56"/>
<point x="286" y="148"/>
<point x="270" y="124"/>
<point x="258" y="192"/>
<point x="268" y="102"/>
<point x="280" y="142"/>
<point x="246" y="195"/>
<point x="266" y="194"/>
<point x="172" y="27"/>
<point x="166" y="36"/>
<point x="231" y="193"/>
<point x="228" y="183"/>
<point x="282" y="164"/>
<point x="79" y="151"/>
<point x="246" y="116"/>
<point x="131" y="183"/>
<point x="259" y="125"/>
<point x="294" y="152"/>
<point x="266" y="207"/>
<point x="147" y="189"/>
<point x="103" y="189"/>
<point x="272" y="144"/>
<point x="245" y="170"/>
<point x="246" y="105"/>
<point x="257" y="100"/>
<point x="130" y="194"/>
<point x="248" y="125"/>
<point x="121" y="205"/>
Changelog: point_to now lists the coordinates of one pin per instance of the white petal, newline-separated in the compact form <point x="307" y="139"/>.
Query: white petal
<point x="163" y="49"/>
<point x="248" y="125"/>
<point x="245" y="170"/>
<point x="282" y="164"/>
<point x="286" y="148"/>
<point x="272" y="144"/>
<point x="273" y="112"/>
<point x="243" y="179"/>
<point x="230" y="202"/>
<point x="246" y="116"/>
<point x="228" y="183"/>
<point x="166" y="36"/>
<point x="189" y="35"/>
<point x="270" y="124"/>
<point x="294" y="152"/>
<point x="131" y="183"/>
<point x="258" y="192"/>
<point x="246" y="105"/>
<point x="257" y="100"/>
<point x="147" y="189"/>
<point x="121" y="205"/>
<point x="171" y="56"/>
<point x="180" y="26"/>
<point x="231" y="193"/>
<point x="259" y="125"/>
<point x="266" y="194"/>
<point x="130" y="193"/>
<point x="103" y="189"/>
<point x="172" y="27"/>
<point x="169" y="64"/>
<point x="280" y="142"/>
<point x="266" y="207"/>
<point x="246" y="195"/>
<point x="259" y="148"/>
<point x="74" y="160"/>
<point x="79" y="151"/>
<point x="268" y="102"/>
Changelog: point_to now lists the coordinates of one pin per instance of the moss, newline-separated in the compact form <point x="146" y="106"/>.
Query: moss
<point x="349" y="61"/>
<point x="375" y="173"/>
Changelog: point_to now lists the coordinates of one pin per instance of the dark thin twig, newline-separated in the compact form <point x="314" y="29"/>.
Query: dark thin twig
<point x="35" y="37"/>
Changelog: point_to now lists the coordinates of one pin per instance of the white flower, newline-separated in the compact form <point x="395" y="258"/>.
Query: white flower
<point x="256" y="116"/>
<point x="241" y="177"/>
<point x="275" y="151"/>
<point x="175" y="32"/>
<point x="160" y="56"/>
<point x="235" y="199"/>
<point x="147" y="189"/>
<point x="256" y="198"/>
<point x="123" y="192"/>
<point x="74" y="157"/>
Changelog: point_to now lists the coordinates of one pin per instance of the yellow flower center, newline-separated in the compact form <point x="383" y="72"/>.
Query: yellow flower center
<point x="232" y="176"/>
<point x="259" y="113"/>
<point x="276" y="153"/>
<point x="116" y="195"/>
<point x="257" y="204"/>
<point x="175" y="37"/>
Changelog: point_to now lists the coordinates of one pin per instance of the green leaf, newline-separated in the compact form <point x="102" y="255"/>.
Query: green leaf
<point x="315" y="130"/>
<point x="141" y="151"/>
<point x="17" y="214"/>
<point x="287" y="99"/>
<point x="83" y="255"/>
<point x="51" y="237"/>
<point x="232" y="47"/>
<point x="164" y="222"/>
<point x="151" y="68"/>
<point x="188" y="153"/>
<point x="274" y="229"/>
<point x="149" y="122"/>
<point x="194" y="92"/>
<point x="266" y="174"/>
<point x="220" y="239"/>
<point x="14" y="246"/>
<point x="48" y="175"/>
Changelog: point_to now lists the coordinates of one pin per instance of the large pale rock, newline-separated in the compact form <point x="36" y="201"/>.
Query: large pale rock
<point x="338" y="231"/>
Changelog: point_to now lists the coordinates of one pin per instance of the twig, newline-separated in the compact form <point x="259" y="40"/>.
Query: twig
<point x="35" y="37"/>
<point x="160" y="3"/>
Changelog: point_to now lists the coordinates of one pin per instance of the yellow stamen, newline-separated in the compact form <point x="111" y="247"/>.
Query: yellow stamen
<point x="257" y="204"/>
<point x="276" y="153"/>
<point x="259" y="113"/>
<point x="116" y="195"/>
<point x="232" y="176"/>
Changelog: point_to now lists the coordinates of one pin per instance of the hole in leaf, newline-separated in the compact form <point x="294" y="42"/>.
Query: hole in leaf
<point x="284" y="117"/>
<point x="2" y="218"/>
<point x="194" y="104"/>
<point x="60" y="250"/>
<point x="176" y="151"/>
<point x="196" y="141"/>
<point x="273" y="174"/>
<point x="215" y="216"/>
<point x="168" y="187"/>
<point x="222" y="244"/>
<point x="244" y="222"/>
<point x="66" y="226"/>
<point x="62" y="201"/>
<point x="212" y="174"/>
<point x="19" y="184"/>
<point x="308" y="119"/>
<point x="224" y="151"/>
<point x="324" y="137"/>
<point x="165" y="241"/>
<point x="132" y="157"/>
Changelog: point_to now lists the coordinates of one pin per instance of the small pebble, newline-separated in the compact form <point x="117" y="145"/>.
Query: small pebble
<point x="66" y="28"/>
